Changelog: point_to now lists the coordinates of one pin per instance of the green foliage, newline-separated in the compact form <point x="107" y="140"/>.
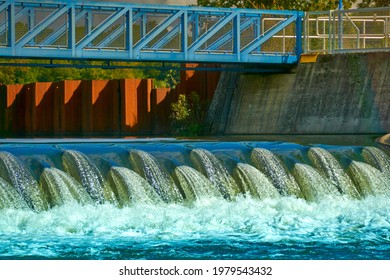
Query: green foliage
<point x="188" y="115"/>
<point x="26" y="75"/>
<point x="374" y="3"/>
<point x="304" y="5"/>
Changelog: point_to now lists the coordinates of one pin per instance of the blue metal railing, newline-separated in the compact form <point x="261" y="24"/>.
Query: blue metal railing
<point x="136" y="32"/>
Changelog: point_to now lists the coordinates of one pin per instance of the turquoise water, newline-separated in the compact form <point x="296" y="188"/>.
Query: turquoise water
<point x="254" y="223"/>
<point x="246" y="229"/>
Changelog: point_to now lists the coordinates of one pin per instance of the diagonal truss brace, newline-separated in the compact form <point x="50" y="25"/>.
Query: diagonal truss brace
<point x="101" y="28"/>
<point x="220" y="24"/>
<point x="18" y="15"/>
<point x="268" y="35"/>
<point x="157" y="30"/>
<point x="229" y="35"/>
<point x="41" y="26"/>
<point x="171" y="34"/>
<point x="61" y="30"/>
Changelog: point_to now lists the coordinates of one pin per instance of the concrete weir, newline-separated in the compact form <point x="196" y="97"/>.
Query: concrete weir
<point x="385" y="140"/>
<point x="337" y="94"/>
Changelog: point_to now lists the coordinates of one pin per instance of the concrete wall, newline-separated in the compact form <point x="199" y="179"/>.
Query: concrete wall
<point x="337" y="94"/>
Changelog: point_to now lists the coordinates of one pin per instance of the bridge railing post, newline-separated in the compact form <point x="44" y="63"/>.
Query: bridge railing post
<point x="72" y="30"/>
<point x="129" y="35"/>
<point x="237" y="36"/>
<point x="11" y="26"/>
<point x="299" y="33"/>
<point x="184" y="33"/>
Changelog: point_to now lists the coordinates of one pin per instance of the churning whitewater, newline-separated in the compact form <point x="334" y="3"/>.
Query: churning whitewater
<point x="193" y="200"/>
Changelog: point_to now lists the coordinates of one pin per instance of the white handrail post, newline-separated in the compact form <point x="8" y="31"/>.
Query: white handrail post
<point x="340" y="24"/>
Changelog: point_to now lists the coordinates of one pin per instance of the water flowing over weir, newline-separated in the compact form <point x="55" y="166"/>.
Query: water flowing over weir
<point x="122" y="174"/>
<point x="170" y="199"/>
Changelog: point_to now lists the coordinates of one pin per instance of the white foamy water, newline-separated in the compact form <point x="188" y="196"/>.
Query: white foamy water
<point x="331" y="220"/>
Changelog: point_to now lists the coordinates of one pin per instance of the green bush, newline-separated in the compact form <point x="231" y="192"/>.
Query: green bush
<point x="187" y="115"/>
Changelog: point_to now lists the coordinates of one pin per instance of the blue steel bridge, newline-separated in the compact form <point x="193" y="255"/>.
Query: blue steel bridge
<point x="79" y="30"/>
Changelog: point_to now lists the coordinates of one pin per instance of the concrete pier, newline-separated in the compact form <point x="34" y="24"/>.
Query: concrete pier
<point x="337" y="94"/>
<point x="385" y="140"/>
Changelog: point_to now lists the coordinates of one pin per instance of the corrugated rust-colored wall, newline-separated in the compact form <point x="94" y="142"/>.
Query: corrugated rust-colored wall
<point x="71" y="113"/>
<point x="41" y="109"/>
<point x="135" y="106"/>
<point x="202" y="82"/>
<point x="161" y="100"/>
<point x="77" y="108"/>
<point x="101" y="107"/>
<point x="13" y="109"/>
<point x="95" y="108"/>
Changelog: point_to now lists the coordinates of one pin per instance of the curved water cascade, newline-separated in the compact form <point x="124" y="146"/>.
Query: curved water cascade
<point x="253" y="182"/>
<point x="149" y="168"/>
<point x="193" y="199"/>
<point x="377" y="158"/>
<point x="368" y="179"/>
<point x="212" y="168"/>
<point x="13" y="171"/>
<point x="9" y="197"/>
<point x="86" y="172"/>
<point x="129" y="187"/>
<point x="60" y="188"/>
<point x="194" y="184"/>
<point x="197" y="172"/>
<point x="328" y="166"/>
<point x="272" y="166"/>
<point x="313" y="186"/>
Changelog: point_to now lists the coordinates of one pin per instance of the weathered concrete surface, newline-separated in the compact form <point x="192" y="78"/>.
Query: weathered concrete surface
<point x="220" y="103"/>
<point x="339" y="94"/>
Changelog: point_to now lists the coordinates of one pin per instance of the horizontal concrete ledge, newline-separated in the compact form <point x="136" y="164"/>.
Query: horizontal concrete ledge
<point x="307" y="139"/>
<point x="385" y="140"/>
